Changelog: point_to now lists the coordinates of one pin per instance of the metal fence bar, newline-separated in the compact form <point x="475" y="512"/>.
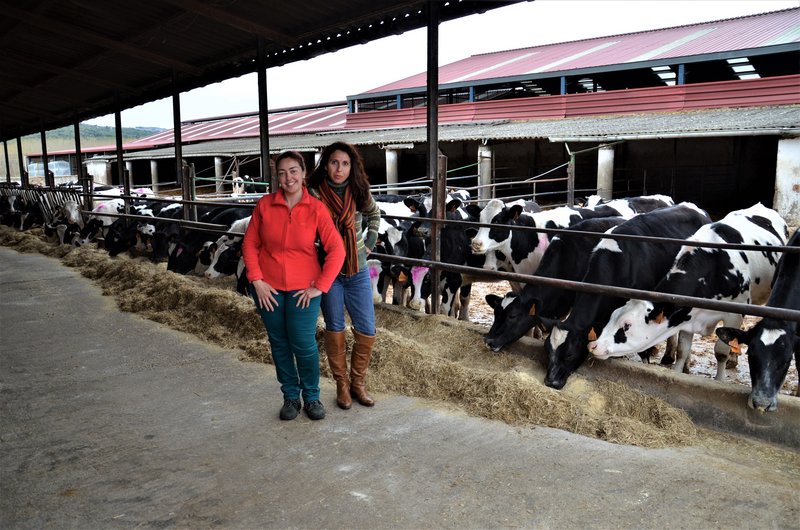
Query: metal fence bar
<point x="622" y="292"/>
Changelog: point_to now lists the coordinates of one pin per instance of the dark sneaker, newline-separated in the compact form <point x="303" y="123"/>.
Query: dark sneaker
<point x="290" y="409"/>
<point x="314" y="410"/>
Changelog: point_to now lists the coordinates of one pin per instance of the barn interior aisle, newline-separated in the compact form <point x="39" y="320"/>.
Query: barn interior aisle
<point x="416" y="355"/>
<point x="110" y="419"/>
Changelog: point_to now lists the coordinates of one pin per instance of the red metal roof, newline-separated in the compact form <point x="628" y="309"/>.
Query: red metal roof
<point x="743" y="33"/>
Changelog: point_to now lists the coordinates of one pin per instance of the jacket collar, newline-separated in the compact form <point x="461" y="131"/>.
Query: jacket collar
<point x="280" y="198"/>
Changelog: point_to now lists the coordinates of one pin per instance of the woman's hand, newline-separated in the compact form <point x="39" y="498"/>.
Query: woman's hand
<point x="265" y="295"/>
<point x="304" y="297"/>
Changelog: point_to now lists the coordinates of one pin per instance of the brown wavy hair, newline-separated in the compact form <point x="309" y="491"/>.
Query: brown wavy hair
<point x="294" y="155"/>
<point x="358" y="181"/>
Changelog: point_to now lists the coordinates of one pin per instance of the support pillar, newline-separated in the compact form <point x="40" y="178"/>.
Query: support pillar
<point x="154" y="175"/>
<point x="317" y="158"/>
<point x="787" y="181"/>
<point x="605" y="172"/>
<point x="129" y="171"/>
<point x="219" y="174"/>
<point x="485" y="163"/>
<point x="8" y="163"/>
<point x="392" y="156"/>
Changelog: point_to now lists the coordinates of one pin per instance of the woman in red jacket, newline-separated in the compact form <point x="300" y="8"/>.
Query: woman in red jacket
<point x="287" y="280"/>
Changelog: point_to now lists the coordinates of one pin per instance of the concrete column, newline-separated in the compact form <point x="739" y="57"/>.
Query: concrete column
<point x="129" y="172"/>
<point x="485" y="163"/>
<point x="219" y="174"/>
<point x="605" y="172"/>
<point x="787" y="181"/>
<point x="154" y="175"/>
<point x="392" y="156"/>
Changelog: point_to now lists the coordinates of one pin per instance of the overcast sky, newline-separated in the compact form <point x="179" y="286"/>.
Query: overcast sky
<point x="334" y="76"/>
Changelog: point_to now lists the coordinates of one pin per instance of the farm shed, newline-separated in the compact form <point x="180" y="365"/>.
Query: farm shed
<point x="714" y="103"/>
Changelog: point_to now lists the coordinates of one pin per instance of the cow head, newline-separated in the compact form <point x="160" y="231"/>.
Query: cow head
<point x="490" y="238"/>
<point x="635" y="327"/>
<point x="566" y="351"/>
<point x="770" y="345"/>
<point x="513" y="318"/>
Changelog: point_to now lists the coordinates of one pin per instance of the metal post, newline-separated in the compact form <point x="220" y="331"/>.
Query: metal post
<point x="485" y="155"/>
<point x="571" y="180"/>
<point x="45" y="167"/>
<point x="263" y="118"/>
<point x="154" y="175"/>
<point x="82" y="180"/>
<point x="8" y="164"/>
<point x="180" y="176"/>
<point x="438" y="183"/>
<point x="126" y="185"/>
<point x="23" y="171"/>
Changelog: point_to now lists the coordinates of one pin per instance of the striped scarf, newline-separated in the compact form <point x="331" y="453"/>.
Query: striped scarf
<point x="343" y="211"/>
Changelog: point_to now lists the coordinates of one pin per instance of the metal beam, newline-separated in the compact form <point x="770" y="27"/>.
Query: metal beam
<point x="234" y="21"/>
<point x="438" y="183"/>
<point x="53" y="26"/>
<point x="263" y="118"/>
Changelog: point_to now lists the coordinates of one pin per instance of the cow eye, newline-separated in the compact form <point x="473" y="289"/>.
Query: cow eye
<point x="626" y="327"/>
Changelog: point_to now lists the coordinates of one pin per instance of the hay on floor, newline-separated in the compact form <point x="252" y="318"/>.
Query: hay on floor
<point x="412" y="356"/>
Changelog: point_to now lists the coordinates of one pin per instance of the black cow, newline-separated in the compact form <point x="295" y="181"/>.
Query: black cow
<point x="771" y="342"/>
<point x="566" y="258"/>
<point x="619" y="263"/>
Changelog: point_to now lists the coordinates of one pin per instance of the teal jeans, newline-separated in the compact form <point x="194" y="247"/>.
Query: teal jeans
<point x="292" y="336"/>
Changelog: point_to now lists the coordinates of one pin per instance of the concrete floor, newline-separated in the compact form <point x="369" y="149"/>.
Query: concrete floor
<point x="109" y="420"/>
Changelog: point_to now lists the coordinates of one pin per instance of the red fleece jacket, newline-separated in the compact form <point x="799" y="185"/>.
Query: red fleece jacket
<point x="278" y="246"/>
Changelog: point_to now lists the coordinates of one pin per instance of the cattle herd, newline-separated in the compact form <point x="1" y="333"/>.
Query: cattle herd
<point x="576" y="325"/>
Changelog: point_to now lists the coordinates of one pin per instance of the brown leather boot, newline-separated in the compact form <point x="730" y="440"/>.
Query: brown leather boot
<point x="334" y="348"/>
<point x="359" y="362"/>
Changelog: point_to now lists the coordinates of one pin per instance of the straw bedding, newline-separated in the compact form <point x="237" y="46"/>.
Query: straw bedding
<point x="423" y="356"/>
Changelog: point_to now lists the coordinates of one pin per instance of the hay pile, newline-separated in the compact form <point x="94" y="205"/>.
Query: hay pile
<point x="423" y="357"/>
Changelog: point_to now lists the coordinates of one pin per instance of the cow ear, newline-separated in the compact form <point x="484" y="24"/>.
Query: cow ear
<point x="659" y="312"/>
<point x="453" y="205"/>
<point x="592" y="335"/>
<point x="493" y="300"/>
<point x="515" y="211"/>
<point x="547" y="324"/>
<point x="733" y="337"/>
<point x="412" y="204"/>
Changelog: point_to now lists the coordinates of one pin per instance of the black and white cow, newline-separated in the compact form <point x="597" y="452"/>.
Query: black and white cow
<point x="621" y="263"/>
<point x="192" y="253"/>
<point x="228" y="251"/>
<point x="629" y="206"/>
<point x="771" y="342"/>
<point x="521" y="251"/>
<point x="566" y="258"/>
<point x="720" y="274"/>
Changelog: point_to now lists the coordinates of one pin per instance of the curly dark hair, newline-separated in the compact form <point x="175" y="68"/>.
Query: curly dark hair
<point x="359" y="180"/>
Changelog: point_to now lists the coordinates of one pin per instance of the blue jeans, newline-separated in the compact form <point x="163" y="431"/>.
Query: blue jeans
<point x="292" y="333"/>
<point x="354" y="293"/>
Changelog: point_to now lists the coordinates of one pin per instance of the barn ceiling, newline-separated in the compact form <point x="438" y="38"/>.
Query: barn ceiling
<point x="68" y="60"/>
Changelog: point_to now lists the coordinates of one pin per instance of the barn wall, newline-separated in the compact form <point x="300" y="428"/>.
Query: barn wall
<point x="718" y="174"/>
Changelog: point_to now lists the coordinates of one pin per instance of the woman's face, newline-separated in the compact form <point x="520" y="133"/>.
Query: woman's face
<point x="290" y="175"/>
<point x="338" y="167"/>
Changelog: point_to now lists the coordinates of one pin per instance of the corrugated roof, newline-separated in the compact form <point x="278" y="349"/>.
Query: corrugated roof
<point x="67" y="61"/>
<point x="783" y="120"/>
<point x="691" y="42"/>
